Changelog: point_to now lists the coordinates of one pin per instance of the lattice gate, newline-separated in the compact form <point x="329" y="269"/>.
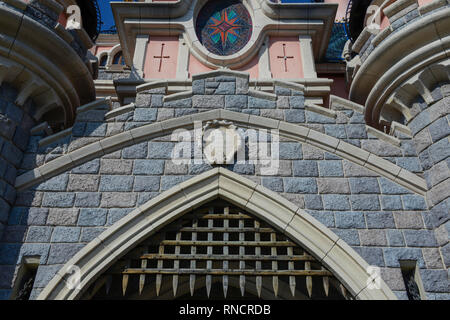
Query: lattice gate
<point x="217" y="243"/>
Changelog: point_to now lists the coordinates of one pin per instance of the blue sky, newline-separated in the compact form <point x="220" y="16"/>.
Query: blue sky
<point x="107" y="17"/>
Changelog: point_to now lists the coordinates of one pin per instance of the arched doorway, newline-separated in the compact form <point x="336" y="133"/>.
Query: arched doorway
<point x="150" y="219"/>
<point x="217" y="251"/>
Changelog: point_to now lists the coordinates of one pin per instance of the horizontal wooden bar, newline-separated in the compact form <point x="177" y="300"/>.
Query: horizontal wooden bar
<point x="246" y="272"/>
<point x="220" y="229"/>
<point x="228" y="243"/>
<point x="157" y="256"/>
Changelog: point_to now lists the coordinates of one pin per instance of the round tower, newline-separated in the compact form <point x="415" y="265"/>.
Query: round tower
<point x="399" y="69"/>
<point x="46" y="73"/>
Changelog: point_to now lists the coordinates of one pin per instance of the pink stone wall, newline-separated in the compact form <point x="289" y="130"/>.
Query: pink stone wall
<point x="165" y="68"/>
<point x="251" y="67"/>
<point x="290" y="68"/>
<point x="195" y="66"/>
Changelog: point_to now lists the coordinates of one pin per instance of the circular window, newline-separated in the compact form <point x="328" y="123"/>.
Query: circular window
<point x="224" y="27"/>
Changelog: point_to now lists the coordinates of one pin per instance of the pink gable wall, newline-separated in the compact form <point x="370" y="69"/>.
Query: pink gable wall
<point x="294" y="64"/>
<point x="251" y="68"/>
<point x="196" y="66"/>
<point x="169" y="63"/>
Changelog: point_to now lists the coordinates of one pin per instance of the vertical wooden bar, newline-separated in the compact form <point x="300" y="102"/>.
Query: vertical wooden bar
<point x="308" y="279"/>
<point x="326" y="284"/>
<point x="258" y="262"/>
<point x="160" y="266"/>
<point x="176" y="266"/>
<point x="209" y="251"/>
<point x="193" y="252"/>
<point x="125" y="279"/>
<point x="142" y="276"/>
<point x="226" y="225"/>
<point x="242" y="253"/>
<point x="273" y="238"/>
<point x="290" y="252"/>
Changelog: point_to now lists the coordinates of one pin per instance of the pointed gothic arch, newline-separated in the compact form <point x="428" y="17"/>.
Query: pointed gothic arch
<point x="95" y="258"/>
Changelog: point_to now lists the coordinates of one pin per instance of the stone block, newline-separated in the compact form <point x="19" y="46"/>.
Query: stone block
<point x="137" y="151"/>
<point x="83" y="182"/>
<point x="336" y="202"/>
<point x="58" y="200"/>
<point x="62" y="252"/>
<point x="161" y="150"/>
<point x="312" y="153"/>
<point x="313" y="202"/>
<point x="198" y="86"/>
<point x="432" y="258"/>
<point x="195" y="169"/>
<point x="395" y="238"/>
<point x="89" y="234"/>
<point x="435" y="280"/>
<point x="365" y="202"/>
<point x="148" y="167"/>
<point x="236" y="101"/>
<point x="157" y="101"/>
<point x="373" y="256"/>
<point x="393" y="255"/>
<point x="115" y="215"/>
<point x="331" y="168"/>
<point x="437" y="174"/>
<point x="167" y="182"/>
<point x="391" y="202"/>
<point x="226" y="88"/>
<point x="410" y="164"/>
<point x="333" y="186"/>
<point x="440" y="150"/>
<point x="324" y="217"/>
<point x="39" y="234"/>
<point x="297" y="102"/>
<point x="439" y="129"/>
<point x="45" y="274"/>
<point x="300" y="185"/>
<point x="350" y="220"/>
<point x="92" y="217"/>
<point x="258" y="103"/>
<point x="90" y="167"/>
<point x="336" y="130"/>
<point x="314" y="117"/>
<point x="389" y="187"/>
<point x="33" y="249"/>
<point x="146" y="184"/>
<point x="116" y="166"/>
<point x="95" y="129"/>
<point x="295" y="116"/>
<point x="61" y="217"/>
<point x="349" y="236"/>
<point x="290" y="151"/>
<point x="145" y="114"/>
<point x="273" y="183"/>
<point x="118" y="200"/>
<point x="208" y="102"/>
<point x="58" y="183"/>
<point x="393" y="278"/>
<point x="305" y="168"/>
<point x="373" y="237"/>
<point x="414" y="202"/>
<point x="66" y="234"/>
<point x="356" y="131"/>
<point x="87" y="199"/>
<point x="364" y="185"/>
<point x="420" y="238"/>
<point x="116" y="183"/>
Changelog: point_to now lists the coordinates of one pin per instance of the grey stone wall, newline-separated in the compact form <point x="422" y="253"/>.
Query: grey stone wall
<point x="381" y="220"/>
<point x="15" y="125"/>
<point x="431" y="131"/>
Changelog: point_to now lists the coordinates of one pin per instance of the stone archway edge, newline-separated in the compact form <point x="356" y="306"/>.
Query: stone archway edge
<point x="288" y="130"/>
<point x="96" y="257"/>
